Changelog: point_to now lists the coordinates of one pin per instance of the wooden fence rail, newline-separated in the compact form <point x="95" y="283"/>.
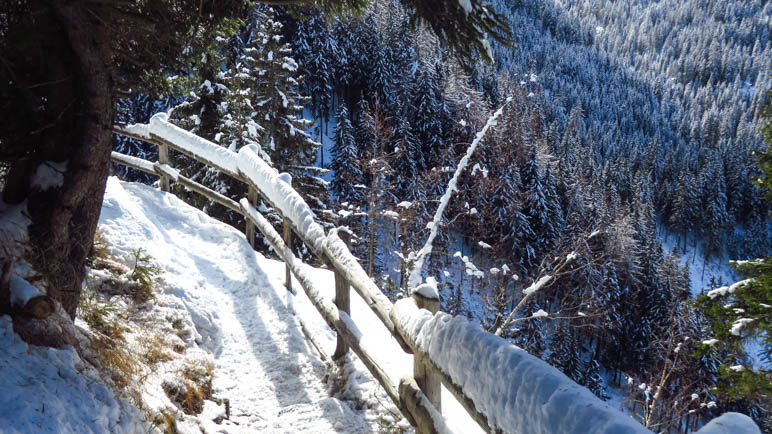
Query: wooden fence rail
<point x="417" y="398"/>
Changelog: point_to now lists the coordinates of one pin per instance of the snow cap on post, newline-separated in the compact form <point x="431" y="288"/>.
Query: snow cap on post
<point x="428" y="290"/>
<point x="730" y="423"/>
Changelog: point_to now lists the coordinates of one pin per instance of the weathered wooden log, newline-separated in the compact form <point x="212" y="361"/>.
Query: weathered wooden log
<point x="342" y="301"/>
<point x="163" y="158"/>
<point x="417" y="407"/>
<point x="133" y="162"/>
<point x="287" y="229"/>
<point x="148" y="167"/>
<point x="40" y="307"/>
<point x="209" y="194"/>
<point x="250" y="231"/>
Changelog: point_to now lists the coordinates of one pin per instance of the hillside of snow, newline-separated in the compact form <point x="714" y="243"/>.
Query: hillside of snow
<point x="239" y="306"/>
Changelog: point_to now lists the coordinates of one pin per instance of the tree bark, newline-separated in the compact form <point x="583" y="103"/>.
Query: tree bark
<point x="64" y="218"/>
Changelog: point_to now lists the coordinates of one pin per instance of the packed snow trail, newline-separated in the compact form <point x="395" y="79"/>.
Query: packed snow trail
<point x="262" y="362"/>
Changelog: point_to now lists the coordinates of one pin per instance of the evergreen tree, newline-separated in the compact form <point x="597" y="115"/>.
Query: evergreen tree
<point x="590" y="378"/>
<point x="347" y="173"/>
<point x="409" y="157"/>
<point x="565" y="353"/>
<point x="277" y="104"/>
<point x="715" y="218"/>
<point x="741" y="313"/>
<point x="686" y="204"/>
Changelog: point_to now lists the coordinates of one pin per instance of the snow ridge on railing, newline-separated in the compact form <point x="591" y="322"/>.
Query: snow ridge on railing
<point x="515" y="390"/>
<point x="281" y="195"/>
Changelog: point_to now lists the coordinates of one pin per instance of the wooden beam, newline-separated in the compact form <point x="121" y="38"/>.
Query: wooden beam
<point x="158" y="141"/>
<point x="415" y="402"/>
<point x="163" y="158"/>
<point x="133" y="162"/>
<point x="147" y="167"/>
<point x="342" y="300"/>
<point x="340" y="257"/>
<point x="209" y="194"/>
<point x="286" y="227"/>
<point x="250" y="230"/>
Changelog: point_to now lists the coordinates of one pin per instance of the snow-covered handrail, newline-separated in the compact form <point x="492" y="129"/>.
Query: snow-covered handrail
<point x="420" y="258"/>
<point x="282" y="196"/>
<point x="515" y="391"/>
<point x="163" y="170"/>
<point x="408" y="398"/>
<point x="161" y="131"/>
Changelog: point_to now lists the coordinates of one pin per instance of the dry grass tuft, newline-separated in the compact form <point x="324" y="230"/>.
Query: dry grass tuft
<point x="194" y="386"/>
<point x="155" y="349"/>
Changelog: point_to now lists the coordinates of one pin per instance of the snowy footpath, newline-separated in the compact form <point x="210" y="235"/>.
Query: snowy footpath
<point x="263" y="365"/>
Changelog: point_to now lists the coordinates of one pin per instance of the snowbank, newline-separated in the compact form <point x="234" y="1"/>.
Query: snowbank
<point x="51" y="391"/>
<point x="730" y="423"/>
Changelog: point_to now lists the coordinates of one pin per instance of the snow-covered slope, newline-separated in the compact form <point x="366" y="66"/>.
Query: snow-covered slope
<point x="44" y="390"/>
<point x="242" y="314"/>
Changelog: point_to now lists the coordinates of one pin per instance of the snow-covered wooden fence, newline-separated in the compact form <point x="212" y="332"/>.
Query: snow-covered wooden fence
<point x="263" y="181"/>
<point x="503" y="388"/>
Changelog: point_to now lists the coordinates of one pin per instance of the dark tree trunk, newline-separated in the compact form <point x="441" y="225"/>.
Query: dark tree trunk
<point x="80" y="104"/>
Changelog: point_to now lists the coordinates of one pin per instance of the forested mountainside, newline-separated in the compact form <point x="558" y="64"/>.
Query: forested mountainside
<point x="629" y="123"/>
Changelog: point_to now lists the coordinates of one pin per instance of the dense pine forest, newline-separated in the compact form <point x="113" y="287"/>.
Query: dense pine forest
<point x="594" y="225"/>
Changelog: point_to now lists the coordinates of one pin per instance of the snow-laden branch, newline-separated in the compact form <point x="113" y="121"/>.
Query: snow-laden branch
<point x="533" y="289"/>
<point x="415" y="274"/>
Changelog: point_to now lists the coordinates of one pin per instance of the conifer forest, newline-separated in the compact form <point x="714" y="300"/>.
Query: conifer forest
<point x="614" y="220"/>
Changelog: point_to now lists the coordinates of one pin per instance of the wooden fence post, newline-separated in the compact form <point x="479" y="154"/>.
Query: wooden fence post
<point x="163" y="158"/>
<point x="342" y="298"/>
<point x="430" y="384"/>
<point x="421" y="418"/>
<point x="252" y="197"/>
<point x="288" y="242"/>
